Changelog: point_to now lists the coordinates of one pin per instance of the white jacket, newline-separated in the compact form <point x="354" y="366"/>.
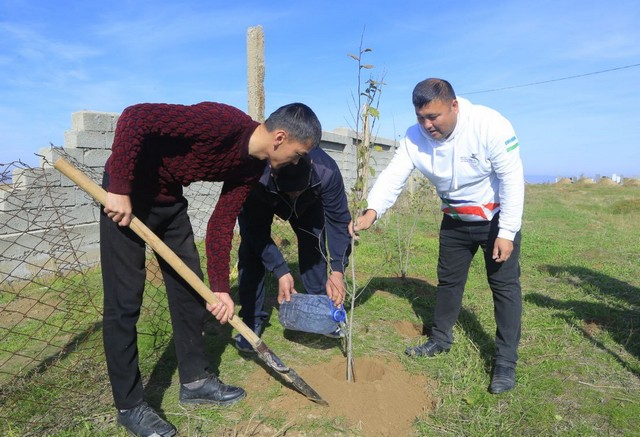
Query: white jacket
<point x="477" y="171"/>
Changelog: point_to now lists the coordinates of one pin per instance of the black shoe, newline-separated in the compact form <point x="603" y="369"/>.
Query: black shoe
<point x="213" y="391"/>
<point x="242" y="344"/>
<point x="503" y="379"/>
<point x="429" y="349"/>
<point x="144" y="421"/>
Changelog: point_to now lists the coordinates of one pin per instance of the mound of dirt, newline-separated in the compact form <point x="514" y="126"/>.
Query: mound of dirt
<point x="585" y="181"/>
<point x="564" y="181"/>
<point x="631" y="182"/>
<point x="384" y="400"/>
<point x="407" y="329"/>
<point x="607" y="182"/>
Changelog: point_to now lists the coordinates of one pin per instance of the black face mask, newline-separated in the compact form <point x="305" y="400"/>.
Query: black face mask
<point x="292" y="178"/>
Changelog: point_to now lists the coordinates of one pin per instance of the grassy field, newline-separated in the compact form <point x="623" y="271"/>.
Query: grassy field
<point x="579" y="368"/>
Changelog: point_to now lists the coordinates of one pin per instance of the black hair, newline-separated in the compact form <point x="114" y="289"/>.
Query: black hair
<point x="432" y="89"/>
<point x="300" y="122"/>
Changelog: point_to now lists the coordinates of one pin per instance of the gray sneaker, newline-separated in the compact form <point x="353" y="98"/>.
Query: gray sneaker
<point x="144" y="421"/>
<point x="338" y="333"/>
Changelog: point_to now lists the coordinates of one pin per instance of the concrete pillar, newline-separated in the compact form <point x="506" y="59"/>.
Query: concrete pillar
<point x="255" y="73"/>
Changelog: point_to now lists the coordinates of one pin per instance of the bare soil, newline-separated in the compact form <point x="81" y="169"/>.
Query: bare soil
<point x="384" y="400"/>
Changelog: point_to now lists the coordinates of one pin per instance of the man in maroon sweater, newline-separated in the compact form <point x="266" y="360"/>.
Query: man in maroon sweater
<point x="158" y="149"/>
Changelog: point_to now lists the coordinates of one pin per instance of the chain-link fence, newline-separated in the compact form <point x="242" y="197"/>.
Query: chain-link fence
<point x="50" y="306"/>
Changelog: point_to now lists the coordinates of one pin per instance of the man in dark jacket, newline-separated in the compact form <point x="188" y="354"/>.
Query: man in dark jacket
<point x="311" y="196"/>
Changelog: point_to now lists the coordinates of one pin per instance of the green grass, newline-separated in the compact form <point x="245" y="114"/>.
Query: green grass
<point x="579" y="367"/>
<point x="580" y="350"/>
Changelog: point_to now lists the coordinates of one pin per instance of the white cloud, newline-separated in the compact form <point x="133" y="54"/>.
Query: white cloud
<point x="173" y="24"/>
<point x="21" y="39"/>
<point x="33" y="59"/>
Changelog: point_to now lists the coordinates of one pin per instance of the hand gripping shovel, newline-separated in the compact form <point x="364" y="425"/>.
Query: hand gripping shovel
<point x="265" y="354"/>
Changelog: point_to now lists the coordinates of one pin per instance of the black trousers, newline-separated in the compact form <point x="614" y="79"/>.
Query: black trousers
<point x="459" y="242"/>
<point x="123" y="273"/>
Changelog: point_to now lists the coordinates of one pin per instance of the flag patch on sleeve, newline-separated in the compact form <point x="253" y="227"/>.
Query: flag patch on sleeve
<point x="512" y="146"/>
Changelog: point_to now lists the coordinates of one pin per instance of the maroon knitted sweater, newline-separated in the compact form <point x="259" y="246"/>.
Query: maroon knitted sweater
<point x="159" y="148"/>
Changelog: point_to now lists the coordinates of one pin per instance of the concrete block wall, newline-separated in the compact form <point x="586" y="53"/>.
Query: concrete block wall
<point x="46" y="217"/>
<point x="49" y="223"/>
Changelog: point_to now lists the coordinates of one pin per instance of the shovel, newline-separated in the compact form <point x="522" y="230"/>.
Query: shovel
<point x="265" y="354"/>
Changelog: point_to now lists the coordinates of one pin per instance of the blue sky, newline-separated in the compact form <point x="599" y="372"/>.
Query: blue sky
<point x="58" y="57"/>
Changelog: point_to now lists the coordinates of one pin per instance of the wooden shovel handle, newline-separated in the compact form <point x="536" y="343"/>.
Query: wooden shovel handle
<point x="149" y="237"/>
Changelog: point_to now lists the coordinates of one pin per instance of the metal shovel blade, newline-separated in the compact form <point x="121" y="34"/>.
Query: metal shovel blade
<point x="287" y="373"/>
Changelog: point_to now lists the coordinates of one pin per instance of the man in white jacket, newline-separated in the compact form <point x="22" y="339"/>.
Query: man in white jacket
<point x="471" y="155"/>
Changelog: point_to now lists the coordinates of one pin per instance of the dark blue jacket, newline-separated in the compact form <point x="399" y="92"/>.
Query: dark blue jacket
<point x="326" y="186"/>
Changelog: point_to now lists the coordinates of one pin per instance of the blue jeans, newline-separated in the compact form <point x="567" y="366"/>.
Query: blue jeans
<point x="459" y="242"/>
